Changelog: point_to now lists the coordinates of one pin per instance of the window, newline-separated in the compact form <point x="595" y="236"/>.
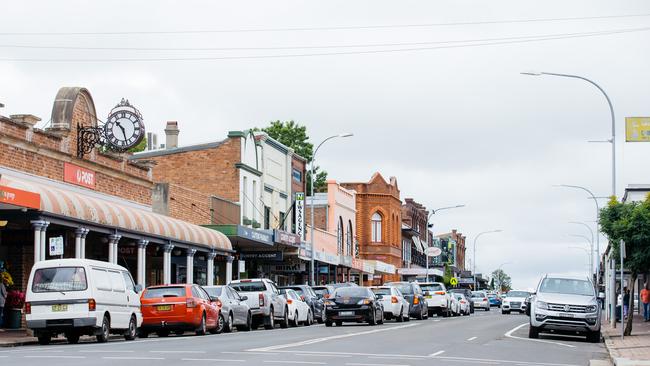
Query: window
<point x="117" y="281"/>
<point x="101" y="279"/>
<point x="252" y="286"/>
<point x="267" y="217"/>
<point x="376" y="227"/>
<point x="245" y="195"/>
<point x="59" y="279"/>
<point x="254" y="201"/>
<point x="282" y="223"/>
<point x="297" y="175"/>
<point x="349" y="237"/>
<point x="167" y="291"/>
<point x="339" y="236"/>
<point x="128" y="281"/>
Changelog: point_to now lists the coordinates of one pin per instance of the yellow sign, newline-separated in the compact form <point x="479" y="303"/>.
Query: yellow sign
<point x="637" y="129"/>
<point x="453" y="281"/>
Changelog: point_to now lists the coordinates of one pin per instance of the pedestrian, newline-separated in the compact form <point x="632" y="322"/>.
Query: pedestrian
<point x="626" y="301"/>
<point x="3" y="299"/>
<point x="645" y="299"/>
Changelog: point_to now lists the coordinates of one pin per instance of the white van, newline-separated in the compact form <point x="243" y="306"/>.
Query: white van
<point x="78" y="297"/>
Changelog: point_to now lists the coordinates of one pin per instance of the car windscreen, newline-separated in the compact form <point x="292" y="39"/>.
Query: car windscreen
<point x="404" y="288"/>
<point x="351" y="292"/>
<point x="298" y="290"/>
<point x="321" y="290"/>
<point x="566" y="286"/>
<point x="253" y="286"/>
<point x="431" y="287"/>
<point x="459" y="296"/>
<point x="59" y="279"/>
<point x="518" y="294"/>
<point x="170" y="291"/>
<point x="213" y="291"/>
<point x="478" y="294"/>
<point x="381" y="291"/>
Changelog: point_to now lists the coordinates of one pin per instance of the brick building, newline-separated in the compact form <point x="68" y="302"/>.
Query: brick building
<point x="379" y="225"/>
<point x="453" y="251"/>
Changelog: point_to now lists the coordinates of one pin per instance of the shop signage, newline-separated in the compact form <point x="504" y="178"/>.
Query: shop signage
<point x="300" y="214"/>
<point x="20" y="198"/>
<point x="357" y="264"/>
<point x="127" y="250"/>
<point x="345" y="260"/>
<point x="242" y="266"/>
<point x="262" y="256"/>
<point x="283" y="237"/>
<point x="327" y="258"/>
<point x="637" y="129"/>
<point x="255" y="235"/>
<point x="289" y="268"/>
<point x="77" y="175"/>
<point x="56" y="246"/>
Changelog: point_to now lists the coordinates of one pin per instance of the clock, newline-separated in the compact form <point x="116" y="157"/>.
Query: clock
<point x="124" y="128"/>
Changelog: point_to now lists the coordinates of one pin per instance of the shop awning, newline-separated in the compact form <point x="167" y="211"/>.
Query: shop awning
<point x="382" y="267"/>
<point x="418" y="244"/>
<point x="101" y="209"/>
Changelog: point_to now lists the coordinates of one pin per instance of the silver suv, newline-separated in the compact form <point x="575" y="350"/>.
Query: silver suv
<point x="565" y="304"/>
<point x="265" y="302"/>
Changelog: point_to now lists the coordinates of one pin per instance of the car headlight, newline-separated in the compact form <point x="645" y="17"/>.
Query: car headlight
<point x="329" y="303"/>
<point x="542" y="305"/>
<point x="364" y="302"/>
<point x="592" y="308"/>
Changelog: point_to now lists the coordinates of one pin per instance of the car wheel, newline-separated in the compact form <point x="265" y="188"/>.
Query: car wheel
<point x="505" y="312"/>
<point x="295" y="322"/>
<point x="400" y="318"/>
<point x="202" y="326"/>
<point x="593" y="337"/>
<point x="132" y="331"/>
<point x="310" y="318"/>
<point x="269" y="321"/>
<point x="328" y="323"/>
<point x="72" y="337"/>
<point x="227" y="327"/>
<point x="285" y="322"/>
<point x="44" y="339"/>
<point x="102" y="337"/>
<point x="381" y="318"/>
<point x="533" y="332"/>
<point x="322" y="318"/>
<point x="373" y="319"/>
<point x="220" y="324"/>
<point x="487" y="309"/>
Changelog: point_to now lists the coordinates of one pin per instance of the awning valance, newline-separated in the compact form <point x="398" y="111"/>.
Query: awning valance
<point x="382" y="267"/>
<point x="100" y="209"/>
<point x="418" y="244"/>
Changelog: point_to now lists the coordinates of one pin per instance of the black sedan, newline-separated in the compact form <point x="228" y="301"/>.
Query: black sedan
<point x="353" y="304"/>
<point x="312" y="299"/>
<point x="415" y="296"/>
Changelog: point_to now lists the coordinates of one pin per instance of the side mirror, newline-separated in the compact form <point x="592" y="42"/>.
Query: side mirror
<point x="243" y="298"/>
<point x="138" y="289"/>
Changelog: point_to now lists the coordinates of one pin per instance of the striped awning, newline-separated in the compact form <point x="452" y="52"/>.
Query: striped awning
<point x="418" y="244"/>
<point x="100" y="209"/>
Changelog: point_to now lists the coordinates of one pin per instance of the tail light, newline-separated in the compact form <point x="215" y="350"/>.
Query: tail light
<point x="326" y="296"/>
<point x="485" y="299"/>
<point x="462" y="301"/>
<point x="190" y="302"/>
<point x="261" y="300"/>
<point x="440" y="293"/>
<point x="28" y="308"/>
<point x="416" y="300"/>
<point x="393" y="299"/>
<point x="302" y="297"/>
<point x="289" y="301"/>
<point x="92" y="305"/>
<point x="219" y="304"/>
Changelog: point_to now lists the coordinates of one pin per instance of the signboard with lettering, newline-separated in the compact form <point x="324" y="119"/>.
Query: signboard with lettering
<point x="262" y="256"/>
<point x="56" y="246"/>
<point x="18" y="197"/>
<point x="80" y="176"/>
<point x="300" y="214"/>
<point x="283" y="237"/>
<point x="637" y="129"/>
<point x="265" y="237"/>
<point x="289" y="268"/>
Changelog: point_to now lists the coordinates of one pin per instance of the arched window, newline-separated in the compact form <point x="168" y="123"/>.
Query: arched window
<point x="376" y="227"/>
<point x="339" y="236"/>
<point x="349" y="237"/>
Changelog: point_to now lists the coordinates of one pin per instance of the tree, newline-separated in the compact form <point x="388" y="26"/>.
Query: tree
<point x="142" y="146"/>
<point x="503" y="280"/>
<point x="630" y="223"/>
<point x="447" y="276"/>
<point x="491" y="287"/>
<point x="295" y="136"/>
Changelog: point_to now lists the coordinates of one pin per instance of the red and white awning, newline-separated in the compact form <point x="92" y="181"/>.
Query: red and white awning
<point x="100" y="209"/>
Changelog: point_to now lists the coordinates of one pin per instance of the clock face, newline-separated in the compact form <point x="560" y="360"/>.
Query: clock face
<point x="124" y="129"/>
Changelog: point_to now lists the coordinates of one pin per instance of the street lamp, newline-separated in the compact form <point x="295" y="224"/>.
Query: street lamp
<point x="591" y="246"/>
<point x="474" y="254"/>
<point x="427" y="231"/>
<point x="311" y="232"/>
<point x="586" y="252"/>
<point x="500" y="266"/>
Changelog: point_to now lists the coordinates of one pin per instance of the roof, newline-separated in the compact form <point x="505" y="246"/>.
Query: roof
<point x="176" y="150"/>
<point x="75" y="262"/>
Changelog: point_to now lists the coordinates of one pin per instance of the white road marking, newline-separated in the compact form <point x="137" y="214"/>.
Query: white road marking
<point x="249" y="353"/>
<point x="54" y="356"/>
<point x="298" y="362"/>
<point x="436" y="353"/>
<point x="395" y="358"/>
<point x="321" y="355"/>
<point x="211" y="360"/>
<point x="176" y="351"/>
<point x="101" y="351"/>
<point x="324" y="339"/>
<point x="469" y="359"/>
<point x="132" y="358"/>
<point x="471" y="339"/>
<point x="356" y="354"/>
<point x="509" y="335"/>
<point x="374" y="364"/>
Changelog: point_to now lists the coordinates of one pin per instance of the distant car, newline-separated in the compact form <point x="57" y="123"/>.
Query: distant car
<point x="235" y="312"/>
<point x="463" y="302"/>
<point x="395" y="305"/>
<point x="353" y="304"/>
<point x="439" y="300"/>
<point x="264" y="299"/>
<point x="480" y="300"/>
<point x="468" y="295"/>
<point x="323" y="291"/>
<point x="312" y="299"/>
<point x="299" y="311"/>
<point x="178" y="308"/>
<point x="494" y="300"/>
<point x="515" y="301"/>
<point x="415" y="296"/>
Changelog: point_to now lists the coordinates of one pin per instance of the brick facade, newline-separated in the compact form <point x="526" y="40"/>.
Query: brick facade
<point x="415" y="216"/>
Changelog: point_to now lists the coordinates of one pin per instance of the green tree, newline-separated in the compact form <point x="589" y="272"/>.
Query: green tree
<point x="447" y="275"/>
<point x="294" y="135"/>
<point x="492" y="284"/>
<point x="629" y="223"/>
<point x="502" y="279"/>
<point x="139" y="147"/>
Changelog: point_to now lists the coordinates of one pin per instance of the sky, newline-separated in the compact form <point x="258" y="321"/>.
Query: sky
<point x="448" y="114"/>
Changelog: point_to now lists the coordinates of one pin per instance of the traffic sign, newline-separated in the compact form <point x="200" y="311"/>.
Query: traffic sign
<point x="453" y="281"/>
<point x="432" y="251"/>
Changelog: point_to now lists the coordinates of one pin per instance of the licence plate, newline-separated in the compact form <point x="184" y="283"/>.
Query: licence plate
<point x="429" y="297"/>
<point x="60" y="307"/>
<point x="346" y="313"/>
<point x="163" y="307"/>
<point x="565" y="315"/>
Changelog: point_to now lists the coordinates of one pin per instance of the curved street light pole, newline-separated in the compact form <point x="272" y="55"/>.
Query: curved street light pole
<point x="311" y="231"/>
<point x="585" y="250"/>
<point x="500" y="266"/>
<point x="426" y="256"/>
<point x="474" y="252"/>
<point x="591" y="250"/>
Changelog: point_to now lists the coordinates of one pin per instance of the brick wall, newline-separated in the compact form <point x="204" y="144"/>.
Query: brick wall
<point x="189" y="205"/>
<point x="320" y="217"/>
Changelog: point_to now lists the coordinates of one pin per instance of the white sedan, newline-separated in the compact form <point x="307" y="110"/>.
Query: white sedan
<point x="463" y="303"/>
<point x="299" y="311"/>
<point x="395" y="305"/>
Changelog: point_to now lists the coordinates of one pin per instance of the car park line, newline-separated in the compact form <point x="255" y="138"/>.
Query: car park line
<point x="249" y="353"/>
<point x="436" y="353"/>
<point x="484" y="360"/>
<point x="211" y="360"/>
<point x="133" y="358"/>
<point x="509" y="335"/>
<point x="374" y="364"/>
<point x="52" y="356"/>
<point x="176" y="351"/>
<point x="296" y="362"/>
<point x="471" y="339"/>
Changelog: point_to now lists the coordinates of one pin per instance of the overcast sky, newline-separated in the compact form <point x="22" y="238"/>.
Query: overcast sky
<point x="455" y="125"/>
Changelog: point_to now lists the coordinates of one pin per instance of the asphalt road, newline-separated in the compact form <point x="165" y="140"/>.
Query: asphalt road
<point x="484" y="338"/>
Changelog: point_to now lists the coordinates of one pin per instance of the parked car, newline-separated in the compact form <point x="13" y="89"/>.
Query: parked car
<point x="312" y="299"/>
<point x="353" y="304"/>
<point x="468" y="295"/>
<point x="264" y="300"/>
<point x="494" y="300"/>
<point x="565" y="304"/>
<point x="394" y="304"/>
<point x="415" y="296"/>
<point x="438" y="298"/>
<point x="454" y="306"/>
<point x="323" y="291"/>
<point x="76" y="297"/>
<point x="235" y="312"/>
<point x="480" y="300"/>
<point x="463" y="303"/>
<point x="299" y="311"/>
<point x="178" y="308"/>
<point x="514" y="301"/>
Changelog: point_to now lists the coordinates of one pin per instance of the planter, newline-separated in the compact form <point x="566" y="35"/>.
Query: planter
<point x="12" y="318"/>
<point x="246" y="221"/>
<point x="256" y="225"/>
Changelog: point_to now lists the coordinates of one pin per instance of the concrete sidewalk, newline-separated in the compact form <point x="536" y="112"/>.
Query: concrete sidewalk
<point x="633" y="349"/>
<point x="16" y="337"/>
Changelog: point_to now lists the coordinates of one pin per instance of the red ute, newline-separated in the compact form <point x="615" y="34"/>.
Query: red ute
<point x="178" y="308"/>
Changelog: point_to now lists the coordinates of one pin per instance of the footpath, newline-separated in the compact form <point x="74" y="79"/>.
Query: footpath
<point x="632" y="350"/>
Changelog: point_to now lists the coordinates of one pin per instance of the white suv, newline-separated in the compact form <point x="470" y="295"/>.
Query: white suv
<point x="439" y="300"/>
<point x="265" y="301"/>
<point x="565" y="304"/>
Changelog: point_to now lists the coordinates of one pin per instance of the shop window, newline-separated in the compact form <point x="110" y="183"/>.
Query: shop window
<point x="297" y="175"/>
<point x="349" y="237"/>
<point x="376" y="227"/>
<point x="339" y="236"/>
<point x="282" y="223"/>
<point x="267" y="217"/>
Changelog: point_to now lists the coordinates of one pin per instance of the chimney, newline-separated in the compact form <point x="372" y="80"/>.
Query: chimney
<point x="171" y="135"/>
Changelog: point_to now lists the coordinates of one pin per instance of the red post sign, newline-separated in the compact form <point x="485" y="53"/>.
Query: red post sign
<point x="19" y="197"/>
<point x="80" y="176"/>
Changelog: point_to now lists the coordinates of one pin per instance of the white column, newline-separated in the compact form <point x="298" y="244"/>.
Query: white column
<point x="82" y="244"/>
<point x="37" y="226"/>
<point x="189" y="265"/>
<point x="229" y="260"/>
<point x="78" y="234"/>
<point x="112" y="248"/>
<point x="167" y="263"/>
<point x="210" y="261"/>
<point x="142" y="262"/>
<point x="43" y="250"/>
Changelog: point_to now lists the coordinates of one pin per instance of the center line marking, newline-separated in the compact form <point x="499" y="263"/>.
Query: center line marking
<point x="298" y="362"/>
<point x="211" y="360"/>
<point x="177" y="351"/>
<point x="436" y="353"/>
<point x="374" y="364"/>
<point x="132" y="358"/>
<point x="471" y="339"/>
<point x="54" y="356"/>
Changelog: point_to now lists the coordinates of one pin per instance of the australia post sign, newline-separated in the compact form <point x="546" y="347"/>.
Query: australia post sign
<point x="80" y="176"/>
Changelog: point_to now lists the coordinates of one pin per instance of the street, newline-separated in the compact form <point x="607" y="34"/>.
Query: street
<point x="482" y="338"/>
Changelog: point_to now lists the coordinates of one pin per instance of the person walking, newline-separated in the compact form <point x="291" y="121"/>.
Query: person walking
<point x="3" y="299"/>
<point x="626" y="302"/>
<point x="645" y="299"/>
